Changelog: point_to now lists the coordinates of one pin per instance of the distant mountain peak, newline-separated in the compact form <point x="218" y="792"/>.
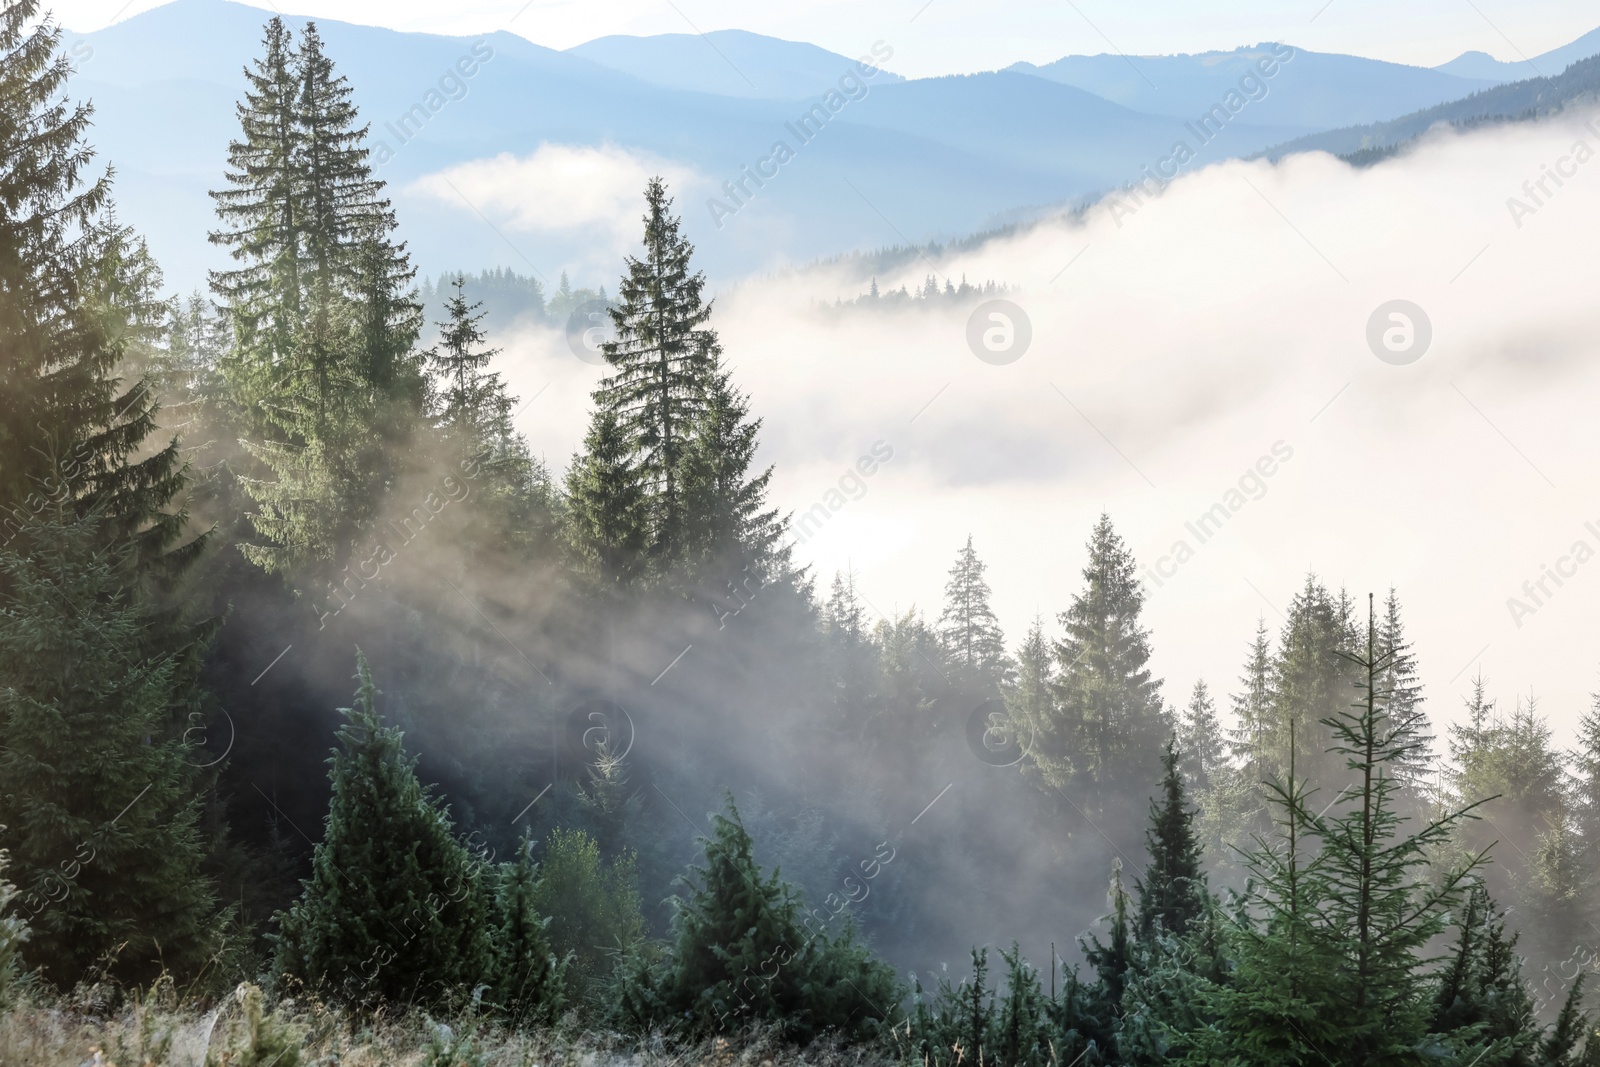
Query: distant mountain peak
<point x="733" y="63"/>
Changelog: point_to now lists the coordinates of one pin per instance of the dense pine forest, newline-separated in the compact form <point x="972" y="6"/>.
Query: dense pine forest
<point x="320" y="693"/>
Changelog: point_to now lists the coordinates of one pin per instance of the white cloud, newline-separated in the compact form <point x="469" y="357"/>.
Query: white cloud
<point x="561" y="189"/>
<point x="1226" y="315"/>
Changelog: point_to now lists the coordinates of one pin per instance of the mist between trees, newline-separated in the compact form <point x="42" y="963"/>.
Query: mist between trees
<point x="1298" y="885"/>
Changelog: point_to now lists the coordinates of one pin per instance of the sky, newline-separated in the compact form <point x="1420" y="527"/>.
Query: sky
<point x="932" y="37"/>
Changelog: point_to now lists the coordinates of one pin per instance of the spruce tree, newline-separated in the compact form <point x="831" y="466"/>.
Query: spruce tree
<point x="1109" y="721"/>
<point x="1252" y="708"/>
<point x="322" y="372"/>
<point x="262" y="211"/>
<point x="1031" y="697"/>
<point x="1112" y="961"/>
<point x="1383" y="912"/>
<point x="1172" y="893"/>
<point x="730" y="532"/>
<point x="471" y="404"/>
<point x="850" y="669"/>
<point x="662" y="361"/>
<point x="1405" y="702"/>
<point x="606" y="516"/>
<point x="1309" y="686"/>
<point x="1509" y="765"/>
<point x="1481" y="1003"/>
<point x="1556" y="897"/>
<point x="100" y="802"/>
<point x="912" y="678"/>
<point x="1585" y="761"/>
<point x="1270" y="1010"/>
<point x="1201" y="741"/>
<point x="343" y="203"/>
<point x="77" y="299"/>
<point x="606" y="800"/>
<point x="968" y="629"/>
<point x="528" y="982"/>
<point x="13" y="932"/>
<point x="739" y="953"/>
<point x="396" y="910"/>
<point x="1228" y="800"/>
<point x="593" y="905"/>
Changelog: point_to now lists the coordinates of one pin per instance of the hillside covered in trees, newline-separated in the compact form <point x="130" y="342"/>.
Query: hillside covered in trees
<point x="227" y="513"/>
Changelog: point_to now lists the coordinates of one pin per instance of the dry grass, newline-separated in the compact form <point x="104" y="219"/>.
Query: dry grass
<point x="96" y="1027"/>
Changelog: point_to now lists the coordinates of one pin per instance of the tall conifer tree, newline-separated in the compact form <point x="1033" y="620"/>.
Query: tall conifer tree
<point x="1109" y="720"/>
<point x="1200" y="739"/>
<point x="100" y="803"/>
<point x="322" y="373"/>
<point x="1406" y="701"/>
<point x="396" y="909"/>
<point x="76" y="298"/>
<point x="973" y="643"/>
<point x="662" y="362"/>
<point x="605" y="509"/>
<point x="731" y="532"/>
<point x="1172" y="893"/>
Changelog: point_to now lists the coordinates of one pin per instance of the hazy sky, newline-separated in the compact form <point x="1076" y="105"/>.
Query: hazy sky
<point x="952" y="36"/>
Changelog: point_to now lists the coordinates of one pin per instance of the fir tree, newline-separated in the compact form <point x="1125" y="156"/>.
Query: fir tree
<point x="740" y="954"/>
<point x="1201" y="741"/>
<point x="100" y="800"/>
<point x="1380" y="912"/>
<point x="1252" y="708"/>
<point x="968" y="629"/>
<point x="729" y="529"/>
<point x="471" y="403"/>
<point x="606" y="507"/>
<point x="1405" y="702"/>
<point x="396" y="909"/>
<point x="13" y="932"/>
<point x="324" y="323"/>
<point x="850" y="666"/>
<point x="1109" y="718"/>
<point x="262" y="212"/>
<point x="663" y="359"/>
<point x="593" y="906"/>
<point x="1031" y="697"/>
<point x="1172" y="893"/>
<point x="1586" y="805"/>
<point x="1113" y="960"/>
<point x="1309" y="685"/>
<point x="529" y="980"/>
<point x="77" y="300"/>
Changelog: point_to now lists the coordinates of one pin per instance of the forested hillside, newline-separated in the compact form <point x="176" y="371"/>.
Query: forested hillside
<point x="316" y="686"/>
